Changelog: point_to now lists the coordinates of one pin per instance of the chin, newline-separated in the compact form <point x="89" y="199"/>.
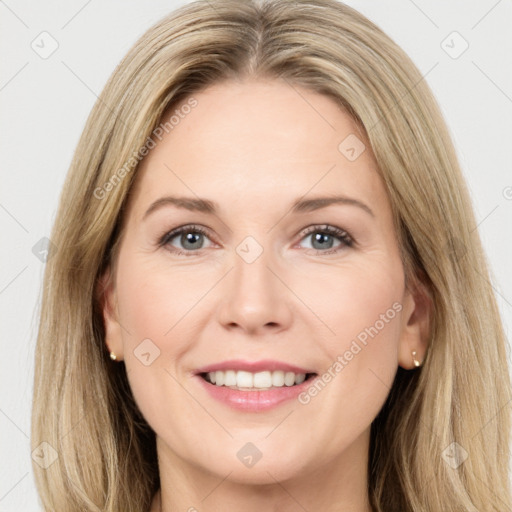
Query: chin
<point x="262" y="474"/>
<point x="266" y="467"/>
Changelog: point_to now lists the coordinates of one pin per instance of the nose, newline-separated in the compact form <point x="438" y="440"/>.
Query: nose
<point x="255" y="299"/>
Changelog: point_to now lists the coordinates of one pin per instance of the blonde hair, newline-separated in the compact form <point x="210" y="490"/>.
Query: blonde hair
<point x="83" y="406"/>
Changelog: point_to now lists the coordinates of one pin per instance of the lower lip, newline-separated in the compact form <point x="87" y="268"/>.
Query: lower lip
<point x="254" y="401"/>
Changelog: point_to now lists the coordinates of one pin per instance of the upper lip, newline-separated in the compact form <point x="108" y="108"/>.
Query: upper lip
<point x="252" y="366"/>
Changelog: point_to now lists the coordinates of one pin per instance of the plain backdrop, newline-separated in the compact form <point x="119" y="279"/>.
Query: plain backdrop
<point x="45" y="100"/>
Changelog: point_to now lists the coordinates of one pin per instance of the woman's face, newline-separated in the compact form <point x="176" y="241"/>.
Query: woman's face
<point x="268" y="280"/>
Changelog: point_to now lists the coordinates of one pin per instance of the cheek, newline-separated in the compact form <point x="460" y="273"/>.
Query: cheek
<point x="149" y="306"/>
<point x="360" y="302"/>
<point x="363" y="313"/>
<point x="156" y="300"/>
<point x="155" y="308"/>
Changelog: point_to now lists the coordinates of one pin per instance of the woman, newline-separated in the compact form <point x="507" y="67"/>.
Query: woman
<point x="331" y="343"/>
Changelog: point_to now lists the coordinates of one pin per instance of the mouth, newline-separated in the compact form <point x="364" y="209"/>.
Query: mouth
<point x="254" y="386"/>
<point x="241" y="380"/>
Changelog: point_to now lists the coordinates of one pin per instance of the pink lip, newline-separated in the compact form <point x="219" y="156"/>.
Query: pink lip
<point x="253" y="401"/>
<point x="253" y="366"/>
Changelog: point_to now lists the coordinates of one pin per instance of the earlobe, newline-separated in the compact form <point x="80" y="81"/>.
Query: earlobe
<point x="414" y="360"/>
<point x="415" y="329"/>
<point x="108" y="303"/>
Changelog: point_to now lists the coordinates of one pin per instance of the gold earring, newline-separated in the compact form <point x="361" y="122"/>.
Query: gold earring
<point x="414" y="360"/>
<point x="113" y="356"/>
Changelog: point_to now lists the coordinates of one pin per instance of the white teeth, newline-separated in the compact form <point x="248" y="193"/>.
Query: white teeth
<point x="244" y="379"/>
<point x="289" y="379"/>
<point x="230" y="378"/>
<point x="259" y="380"/>
<point x="278" y="379"/>
<point x="300" y="378"/>
<point x="262" y="380"/>
<point x="219" y="378"/>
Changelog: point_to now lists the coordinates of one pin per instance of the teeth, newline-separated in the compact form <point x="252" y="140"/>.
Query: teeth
<point x="289" y="378"/>
<point x="230" y="378"/>
<point x="278" y="379"/>
<point x="244" y="379"/>
<point x="300" y="378"/>
<point x="260" y="380"/>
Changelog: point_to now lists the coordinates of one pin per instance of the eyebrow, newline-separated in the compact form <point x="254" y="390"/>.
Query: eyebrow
<point x="210" y="207"/>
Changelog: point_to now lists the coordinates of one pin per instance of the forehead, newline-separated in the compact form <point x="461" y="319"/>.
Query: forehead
<point x="259" y="140"/>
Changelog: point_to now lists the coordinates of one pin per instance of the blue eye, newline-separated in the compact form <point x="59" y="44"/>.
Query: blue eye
<point x="191" y="239"/>
<point x="323" y="238"/>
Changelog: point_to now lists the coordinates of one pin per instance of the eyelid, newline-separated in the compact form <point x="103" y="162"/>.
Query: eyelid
<point x="343" y="235"/>
<point x="327" y="228"/>
<point x="195" y="228"/>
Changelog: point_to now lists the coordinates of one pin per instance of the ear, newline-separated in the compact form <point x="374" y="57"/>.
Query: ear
<point x="108" y="302"/>
<point x="415" y="333"/>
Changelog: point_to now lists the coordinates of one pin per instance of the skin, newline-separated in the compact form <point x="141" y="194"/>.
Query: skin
<point x="254" y="147"/>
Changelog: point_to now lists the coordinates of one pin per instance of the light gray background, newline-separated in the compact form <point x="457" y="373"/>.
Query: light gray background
<point x="45" y="102"/>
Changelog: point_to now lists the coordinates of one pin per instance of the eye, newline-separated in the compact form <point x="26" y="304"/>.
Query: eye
<point x="190" y="237"/>
<point x="323" y="237"/>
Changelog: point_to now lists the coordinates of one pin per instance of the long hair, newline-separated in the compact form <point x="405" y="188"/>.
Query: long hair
<point x="104" y="451"/>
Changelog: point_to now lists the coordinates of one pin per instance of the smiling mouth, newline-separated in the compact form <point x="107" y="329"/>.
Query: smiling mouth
<point x="255" y="381"/>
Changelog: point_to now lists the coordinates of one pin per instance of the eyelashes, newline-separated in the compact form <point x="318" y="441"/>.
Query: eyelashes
<point x="165" y="240"/>
<point x="326" y="231"/>
<point x="331" y="231"/>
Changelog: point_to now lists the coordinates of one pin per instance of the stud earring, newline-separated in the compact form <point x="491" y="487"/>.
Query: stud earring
<point x="113" y="356"/>
<point x="414" y="360"/>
